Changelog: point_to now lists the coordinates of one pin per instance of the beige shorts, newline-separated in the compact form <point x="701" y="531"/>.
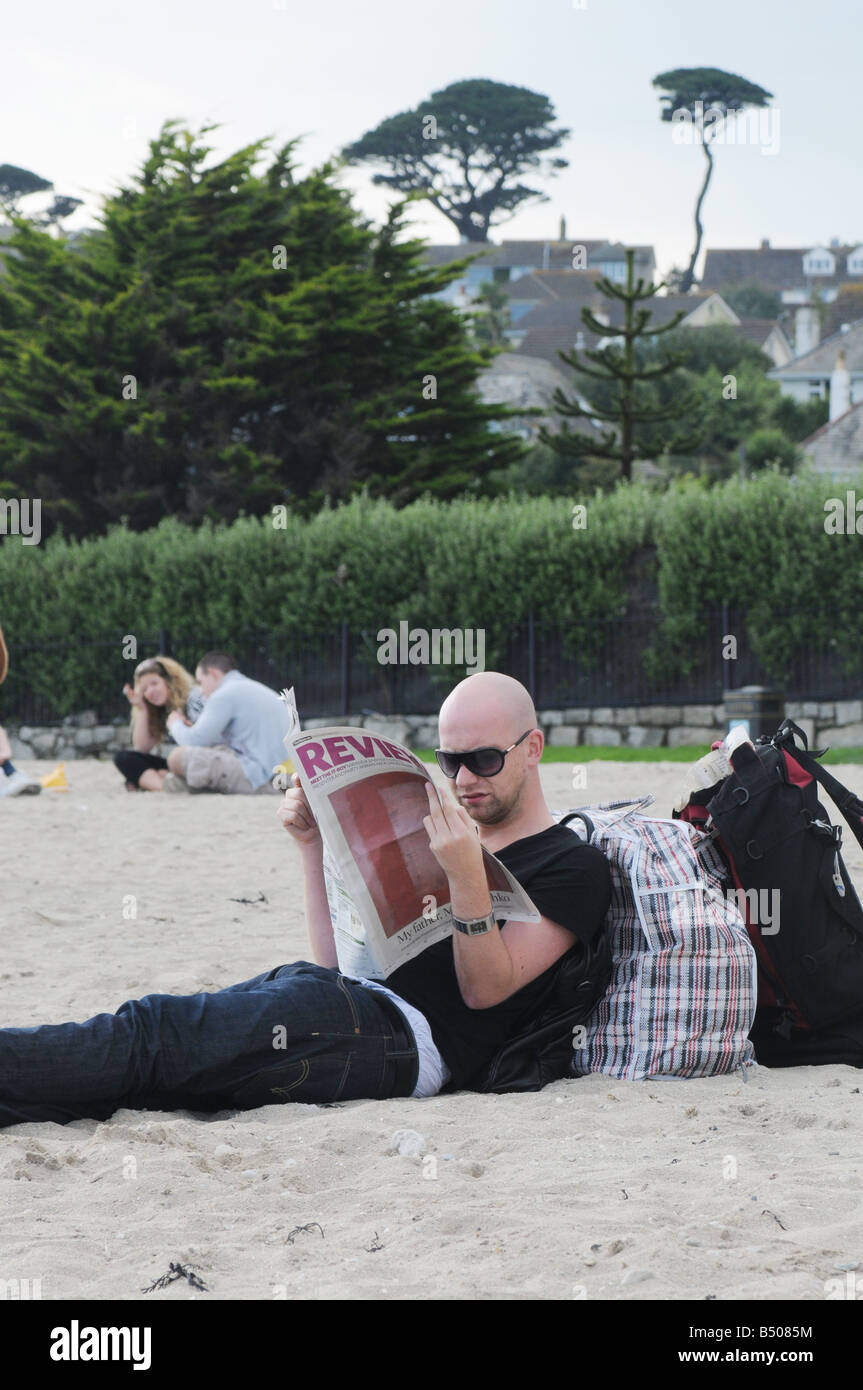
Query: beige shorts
<point x="218" y="770"/>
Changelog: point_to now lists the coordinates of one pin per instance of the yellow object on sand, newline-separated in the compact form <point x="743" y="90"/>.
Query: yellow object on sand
<point x="55" y="781"/>
<point x="281" y="775"/>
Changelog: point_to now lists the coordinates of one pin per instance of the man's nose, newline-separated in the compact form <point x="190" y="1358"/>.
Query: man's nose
<point x="464" y="777"/>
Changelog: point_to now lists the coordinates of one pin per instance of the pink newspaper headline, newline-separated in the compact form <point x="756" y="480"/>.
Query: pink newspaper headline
<point x="320" y="756"/>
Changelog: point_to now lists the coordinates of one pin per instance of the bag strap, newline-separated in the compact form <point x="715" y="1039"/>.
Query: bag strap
<point x="582" y="816"/>
<point x="847" y="801"/>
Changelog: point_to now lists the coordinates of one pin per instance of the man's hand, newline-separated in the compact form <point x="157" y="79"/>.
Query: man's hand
<point x="295" y="813"/>
<point x="454" y="839"/>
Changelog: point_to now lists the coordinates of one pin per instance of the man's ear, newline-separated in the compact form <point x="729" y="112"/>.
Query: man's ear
<point x="536" y="743"/>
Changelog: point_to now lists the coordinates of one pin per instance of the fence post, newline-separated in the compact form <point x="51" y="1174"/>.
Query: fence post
<point x="346" y="671"/>
<point x="164" y="641"/>
<point x="531" y="655"/>
<point x="728" y="664"/>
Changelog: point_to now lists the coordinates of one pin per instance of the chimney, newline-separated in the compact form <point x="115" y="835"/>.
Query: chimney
<point x="765" y="243"/>
<point x="562" y="236"/>
<point x="840" y="387"/>
<point x="807" y="329"/>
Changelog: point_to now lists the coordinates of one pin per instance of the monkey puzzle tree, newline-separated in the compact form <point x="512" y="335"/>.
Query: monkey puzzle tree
<point x="632" y="408"/>
<point x="702" y="99"/>
<point x="464" y="150"/>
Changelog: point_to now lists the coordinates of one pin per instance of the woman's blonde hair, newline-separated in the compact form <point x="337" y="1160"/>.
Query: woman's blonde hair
<point x="179" y="683"/>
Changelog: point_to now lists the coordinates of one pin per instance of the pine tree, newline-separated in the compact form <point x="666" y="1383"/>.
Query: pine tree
<point x="633" y="405"/>
<point x="230" y="340"/>
<point x="466" y="149"/>
<point x="701" y="101"/>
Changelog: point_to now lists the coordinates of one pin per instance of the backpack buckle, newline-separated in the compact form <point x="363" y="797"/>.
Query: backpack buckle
<point x="838" y="881"/>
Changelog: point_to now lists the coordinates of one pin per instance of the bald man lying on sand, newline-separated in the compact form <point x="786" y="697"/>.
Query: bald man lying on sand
<point x="441" y="1019"/>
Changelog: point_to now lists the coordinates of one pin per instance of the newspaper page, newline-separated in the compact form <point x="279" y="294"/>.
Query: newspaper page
<point x="389" y="898"/>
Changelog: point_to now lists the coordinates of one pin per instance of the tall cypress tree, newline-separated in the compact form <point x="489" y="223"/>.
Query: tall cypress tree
<point x="228" y="340"/>
<point x="634" y="412"/>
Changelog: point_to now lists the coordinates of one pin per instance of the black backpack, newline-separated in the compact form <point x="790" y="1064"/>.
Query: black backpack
<point x="802" y="913"/>
<point x="543" y="1051"/>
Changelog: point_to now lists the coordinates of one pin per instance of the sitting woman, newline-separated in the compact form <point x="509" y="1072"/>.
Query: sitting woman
<point x="161" y="685"/>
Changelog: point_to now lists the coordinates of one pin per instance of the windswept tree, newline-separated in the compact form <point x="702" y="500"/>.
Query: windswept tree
<point x="16" y="184"/>
<point x="701" y="101"/>
<point x="61" y="208"/>
<point x="465" y="150"/>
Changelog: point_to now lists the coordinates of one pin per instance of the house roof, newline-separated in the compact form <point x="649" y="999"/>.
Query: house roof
<point x="552" y="285"/>
<point x="444" y="255"/>
<point x="551" y="255"/>
<point x="773" y="267"/>
<point x="759" y="330"/>
<point x="837" y="447"/>
<point x="518" y="380"/>
<point x="845" y="308"/>
<point x="821" y="360"/>
<point x="664" y="306"/>
<point x="552" y="327"/>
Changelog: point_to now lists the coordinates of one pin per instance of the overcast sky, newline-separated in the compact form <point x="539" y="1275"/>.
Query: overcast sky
<point x="88" y="82"/>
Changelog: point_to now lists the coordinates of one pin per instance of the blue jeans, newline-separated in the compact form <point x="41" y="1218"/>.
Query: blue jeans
<point x="302" y="1032"/>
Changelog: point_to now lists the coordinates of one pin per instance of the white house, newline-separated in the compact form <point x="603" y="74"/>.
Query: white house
<point x="808" y="376"/>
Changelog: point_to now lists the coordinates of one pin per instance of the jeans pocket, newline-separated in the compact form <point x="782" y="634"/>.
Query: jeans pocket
<point x="310" y="1080"/>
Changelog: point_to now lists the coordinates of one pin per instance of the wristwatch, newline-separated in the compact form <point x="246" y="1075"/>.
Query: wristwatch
<point x="477" y="926"/>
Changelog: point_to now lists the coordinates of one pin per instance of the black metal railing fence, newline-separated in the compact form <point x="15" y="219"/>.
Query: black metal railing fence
<point x="636" y="658"/>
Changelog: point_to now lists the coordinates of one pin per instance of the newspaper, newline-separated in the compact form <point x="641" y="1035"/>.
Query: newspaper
<point x="389" y="898"/>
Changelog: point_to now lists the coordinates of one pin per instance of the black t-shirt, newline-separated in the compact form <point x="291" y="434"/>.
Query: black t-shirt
<point x="569" y="882"/>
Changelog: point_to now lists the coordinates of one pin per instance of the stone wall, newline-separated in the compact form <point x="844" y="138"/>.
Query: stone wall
<point x="79" y="736"/>
<point x="837" y="723"/>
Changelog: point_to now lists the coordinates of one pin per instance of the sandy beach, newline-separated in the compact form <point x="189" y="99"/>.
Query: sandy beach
<point x="593" y="1188"/>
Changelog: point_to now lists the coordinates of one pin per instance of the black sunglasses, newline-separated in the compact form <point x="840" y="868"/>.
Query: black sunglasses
<point x="482" y="762"/>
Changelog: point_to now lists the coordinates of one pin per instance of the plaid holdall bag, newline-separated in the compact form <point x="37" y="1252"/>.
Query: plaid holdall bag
<point x="681" y="1000"/>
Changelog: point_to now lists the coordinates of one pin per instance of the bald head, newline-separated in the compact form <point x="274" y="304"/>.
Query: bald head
<point x="487" y="703"/>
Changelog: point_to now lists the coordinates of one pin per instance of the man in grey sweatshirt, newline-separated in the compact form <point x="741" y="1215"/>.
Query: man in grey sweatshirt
<point x="238" y="739"/>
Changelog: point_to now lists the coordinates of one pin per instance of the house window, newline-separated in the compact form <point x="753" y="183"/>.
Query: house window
<point x="816" y="390"/>
<point x="818" y="263"/>
<point x="501" y="274"/>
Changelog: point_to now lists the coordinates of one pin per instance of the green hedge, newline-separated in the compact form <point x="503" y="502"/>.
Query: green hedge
<point x="468" y="562"/>
<point x="759" y="545"/>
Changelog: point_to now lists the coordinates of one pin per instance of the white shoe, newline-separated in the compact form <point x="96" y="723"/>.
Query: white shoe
<point x="19" y="784"/>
